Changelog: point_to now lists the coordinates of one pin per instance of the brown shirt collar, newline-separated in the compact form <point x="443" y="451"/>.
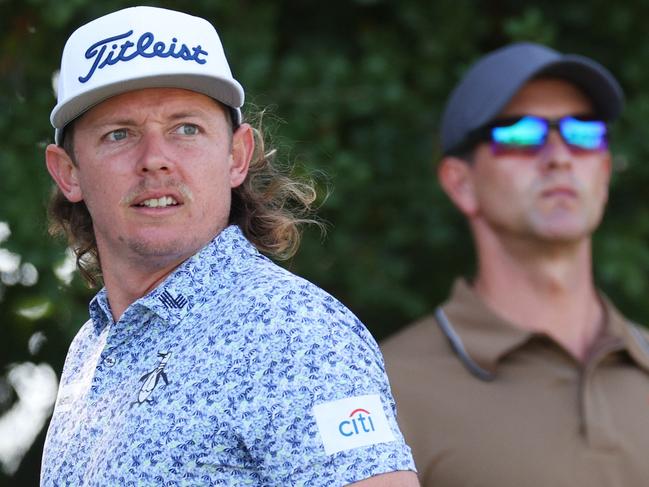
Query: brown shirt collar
<point x="487" y="337"/>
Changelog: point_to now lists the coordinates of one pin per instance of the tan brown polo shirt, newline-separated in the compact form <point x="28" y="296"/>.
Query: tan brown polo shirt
<point x="517" y="409"/>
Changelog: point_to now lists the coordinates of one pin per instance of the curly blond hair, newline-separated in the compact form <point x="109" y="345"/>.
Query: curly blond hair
<point x="270" y="207"/>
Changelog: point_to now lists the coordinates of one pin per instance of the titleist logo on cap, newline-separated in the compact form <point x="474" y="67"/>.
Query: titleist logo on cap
<point x="137" y="48"/>
<point x="146" y="46"/>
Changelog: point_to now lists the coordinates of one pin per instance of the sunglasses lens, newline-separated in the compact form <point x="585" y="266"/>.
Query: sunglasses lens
<point x="584" y="134"/>
<point x="526" y="133"/>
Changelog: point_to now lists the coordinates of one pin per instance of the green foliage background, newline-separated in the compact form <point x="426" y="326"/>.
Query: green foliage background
<point x="355" y="89"/>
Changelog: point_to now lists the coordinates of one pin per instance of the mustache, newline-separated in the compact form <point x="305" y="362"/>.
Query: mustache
<point x="149" y="185"/>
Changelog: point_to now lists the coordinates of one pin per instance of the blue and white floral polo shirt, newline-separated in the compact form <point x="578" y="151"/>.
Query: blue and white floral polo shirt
<point x="232" y="372"/>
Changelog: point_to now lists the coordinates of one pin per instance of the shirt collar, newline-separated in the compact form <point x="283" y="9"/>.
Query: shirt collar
<point x="219" y="260"/>
<point x="631" y="337"/>
<point x="100" y="313"/>
<point x="488" y="338"/>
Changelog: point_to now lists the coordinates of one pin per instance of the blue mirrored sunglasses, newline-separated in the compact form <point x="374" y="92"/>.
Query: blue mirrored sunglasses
<point x="530" y="133"/>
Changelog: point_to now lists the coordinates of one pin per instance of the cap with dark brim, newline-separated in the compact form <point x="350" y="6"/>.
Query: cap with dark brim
<point x="493" y="80"/>
<point x="227" y="91"/>
<point x="137" y="48"/>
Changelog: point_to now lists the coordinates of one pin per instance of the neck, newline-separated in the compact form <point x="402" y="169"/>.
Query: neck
<point x="543" y="288"/>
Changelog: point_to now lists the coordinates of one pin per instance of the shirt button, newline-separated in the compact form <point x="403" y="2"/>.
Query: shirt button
<point x="109" y="361"/>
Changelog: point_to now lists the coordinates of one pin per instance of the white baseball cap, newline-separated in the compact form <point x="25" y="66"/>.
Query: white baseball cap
<point x="141" y="47"/>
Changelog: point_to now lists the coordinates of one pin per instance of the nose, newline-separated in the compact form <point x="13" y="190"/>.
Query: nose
<point x="556" y="154"/>
<point x="153" y="156"/>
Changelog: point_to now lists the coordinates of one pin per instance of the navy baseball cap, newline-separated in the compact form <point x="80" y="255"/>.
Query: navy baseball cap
<point x="494" y="79"/>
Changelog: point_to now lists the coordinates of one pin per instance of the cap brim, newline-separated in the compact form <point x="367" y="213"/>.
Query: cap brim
<point x="597" y="84"/>
<point x="227" y="91"/>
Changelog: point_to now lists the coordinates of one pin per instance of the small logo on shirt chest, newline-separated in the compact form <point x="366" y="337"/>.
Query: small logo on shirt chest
<point x="169" y="301"/>
<point x="150" y="380"/>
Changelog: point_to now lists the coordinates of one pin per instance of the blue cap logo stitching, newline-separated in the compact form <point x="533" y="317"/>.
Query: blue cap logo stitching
<point x="129" y="50"/>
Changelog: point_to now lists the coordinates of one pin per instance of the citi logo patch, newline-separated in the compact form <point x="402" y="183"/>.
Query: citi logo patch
<point x="352" y="422"/>
<point x="351" y="426"/>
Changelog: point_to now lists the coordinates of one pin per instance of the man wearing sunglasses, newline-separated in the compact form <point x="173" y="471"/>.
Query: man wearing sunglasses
<point x="527" y="375"/>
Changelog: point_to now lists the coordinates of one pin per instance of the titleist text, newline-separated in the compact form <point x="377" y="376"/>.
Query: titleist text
<point x="146" y="46"/>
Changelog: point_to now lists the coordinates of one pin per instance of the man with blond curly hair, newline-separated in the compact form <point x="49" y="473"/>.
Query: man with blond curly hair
<point x="203" y="363"/>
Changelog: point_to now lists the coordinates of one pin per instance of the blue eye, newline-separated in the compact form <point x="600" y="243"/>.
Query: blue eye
<point x="187" y="129"/>
<point x="117" y="135"/>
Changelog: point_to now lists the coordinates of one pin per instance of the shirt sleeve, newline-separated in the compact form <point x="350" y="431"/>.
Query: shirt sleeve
<point x="318" y="409"/>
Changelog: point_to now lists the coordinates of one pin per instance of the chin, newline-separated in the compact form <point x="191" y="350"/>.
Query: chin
<point x="174" y="248"/>
<point x="565" y="238"/>
<point x="565" y="234"/>
<point x="567" y="228"/>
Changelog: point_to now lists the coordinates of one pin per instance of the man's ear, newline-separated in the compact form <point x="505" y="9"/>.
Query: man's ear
<point x="456" y="178"/>
<point x="243" y="147"/>
<point x="64" y="172"/>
